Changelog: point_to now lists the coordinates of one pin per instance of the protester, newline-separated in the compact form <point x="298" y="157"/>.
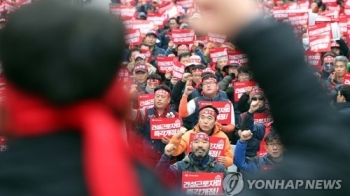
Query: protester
<point x="60" y="94"/>
<point x="207" y="123"/>
<point x="211" y="93"/>
<point x="154" y="148"/>
<point x="247" y="123"/>
<point x="274" y="148"/>
<point x="198" y="160"/>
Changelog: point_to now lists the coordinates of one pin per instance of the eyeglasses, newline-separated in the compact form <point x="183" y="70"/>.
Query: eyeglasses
<point x="258" y="98"/>
<point x="197" y="76"/>
<point x="208" y="83"/>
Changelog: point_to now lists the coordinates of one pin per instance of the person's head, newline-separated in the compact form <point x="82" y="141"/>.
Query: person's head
<point x="221" y="62"/>
<point x="162" y="96"/>
<point x="210" y="85"/>
<point x="66" y="64"/>
<point x="335" y="48"/>
<point x="145" y="46"/>
<point x="132" y="54"/>
<point x="344" y="94"/>
<point x="322" y="8"/>
<point x="193" y="61"/>
<point x="244" y="74"/>
<point x="200" y="145"/>
<point x="231" y="68"/>
<point x="184" y="58"/>
<point x="207" y="118"/>
<point x="151" y="38"/>
<point x="182" y="49"/>
<point x="328" y="62"/>
<point x="153" y="80"/>
<point x="140" y="73"/>
<point x="140" y="58"/>
<point x="340" y="63"/>
<point x="274" y="146"/>
<point x="173" y="23"/>
<point x="197" y="73"/>
<point x="142" y="16"/>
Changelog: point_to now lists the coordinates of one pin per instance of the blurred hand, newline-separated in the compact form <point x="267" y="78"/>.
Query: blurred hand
<point x="225" y="16"/>
<point x="169" y="149"/>
<point x="248" y="90"/>
<point x="186" y="76"/>
<point x="188" y="90"/>
<point x="221" y="160"/>
<point x="165" y="140"/>
<point x="254" y="105"/>
<point x="168" y="75"/>
<point x="246" y="135"/>
<point x="173" y="80"/>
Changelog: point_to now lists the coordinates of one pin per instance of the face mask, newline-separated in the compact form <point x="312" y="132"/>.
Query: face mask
<point x="306" y="43"/>
<point x="328" y="67"/>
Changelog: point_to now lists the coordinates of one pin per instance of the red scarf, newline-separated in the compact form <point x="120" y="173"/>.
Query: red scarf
<point x="107" y="162"/>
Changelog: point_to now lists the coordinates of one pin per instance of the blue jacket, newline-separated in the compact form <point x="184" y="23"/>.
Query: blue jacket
<point x="188" y="164"/>
<point x="152" y="148"/>
<point x="250" y="166"/>
<point x="258" y="130"/>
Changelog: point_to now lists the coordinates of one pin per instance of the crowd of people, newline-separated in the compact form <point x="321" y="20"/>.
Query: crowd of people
<point x="193" y="96"/>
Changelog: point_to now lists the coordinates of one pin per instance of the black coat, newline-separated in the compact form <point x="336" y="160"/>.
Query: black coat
<point x="52" y="165"/>
<point x="311" y="130"/>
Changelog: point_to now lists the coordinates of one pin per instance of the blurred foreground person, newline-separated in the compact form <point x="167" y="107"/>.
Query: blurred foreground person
<point x="64" y="106"/>
<point x="311" y="130"/>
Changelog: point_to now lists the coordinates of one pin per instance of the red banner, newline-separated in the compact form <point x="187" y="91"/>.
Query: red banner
<point x="262" y="118"/>
<point x="178" y="69"/>
<point x="217" y="38"/>
<point x="202" y="183"/>
<point x="122" y="10"/>
<point x="182" y="36"/>
<point x="165" y="64"/>
<point x="164" y="127"/>
<point x="298" y="20"/>
<point x="128" y="22"/>
<point x="217" y="146"/>
<point x="224" y="108"/>
<point x="347" y="79"/>
<point x="133" y="37"/>
<point x="280" y="13"/>
<point x="319" y="29"/>
<point x="124" y="76"/>
<point x="215" y="53"/>
<point x="237" y="56"/>
<point x="143" y="25"/>
<point x="146" y="101"/>
<point x="156" y="18"/>
<point x="313" y="59"/>
<point x="320" y="43"/>
<point x="239" y="88"/>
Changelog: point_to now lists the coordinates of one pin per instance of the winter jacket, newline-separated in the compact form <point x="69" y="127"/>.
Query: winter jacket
<point x="183" y="143"/>
<point x="173" y="172"/>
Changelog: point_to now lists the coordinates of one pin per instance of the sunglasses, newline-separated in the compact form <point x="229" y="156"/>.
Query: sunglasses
<point x="258" y="98"/>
